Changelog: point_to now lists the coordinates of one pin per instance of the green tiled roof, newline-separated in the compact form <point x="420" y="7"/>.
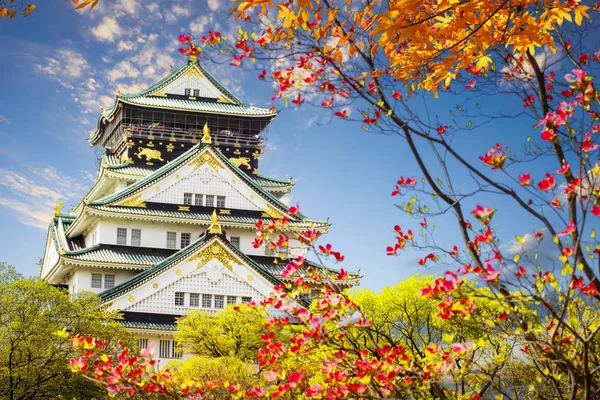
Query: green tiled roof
<point x="276" y="266"/>
<point x="148" y="325"/>
<point x="266" y="181"/>
<point x="177" y="73"/>
<point x="194" y="105"/>
<point x="223" y="218"/>
<point x="120" y="255"/>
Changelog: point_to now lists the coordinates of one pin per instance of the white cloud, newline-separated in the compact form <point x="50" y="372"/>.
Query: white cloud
<point x="131" y="7"/>
<point x="66" y="67"/>
<point x="108" y="30"/>
<point x="199" y="24"/>
<point x="125" y="45"/>
<point x="123" y="69"/>
<point x="4" y="120"/>
<point x="180" y="11"/>
<point x="32" y="199"/>
<point x="214" y="4"/>
<point x="152" y="7"/>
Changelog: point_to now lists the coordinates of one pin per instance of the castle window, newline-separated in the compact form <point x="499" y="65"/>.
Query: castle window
<point x="221" y="201"/>
<point x="210" y="201"/>
<point x="219" y="301"/>
<point x="188" y="91"/>
<point x="179" y="298"/>
<point x="185" y="239"/>
<point x="231" y="300"/>
<point x="136" y="237"/>
<point x="122" y="236"/>
<point x="97" y="281"/>
<point x="235" y="241"/>
<point x="177" y="353"/>
<point x="187" y="199"/>
<point x="194" y="300"/>
<point x="246" y="299"/>
<point x="196" y="92"/>
<point x="198" y="200"/>
<point x="171" y="240"/>
<point x="206" y="301"/>
<point x="142" y="343"/>
<point x="166" y="348"/>
<point x="109" y="281"/>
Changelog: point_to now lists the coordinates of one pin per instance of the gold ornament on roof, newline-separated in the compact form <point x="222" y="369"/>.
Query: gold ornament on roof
<point x="58" y="208"/>
<point x="215" y="228"/>
<point x="215" y="251"/>
<point x="206" y="134"/>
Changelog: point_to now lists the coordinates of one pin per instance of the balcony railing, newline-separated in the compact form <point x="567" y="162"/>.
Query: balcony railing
<point x="220" y="137"/>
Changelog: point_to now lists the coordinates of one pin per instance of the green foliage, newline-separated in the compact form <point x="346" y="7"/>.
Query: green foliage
<point x="33" y="358"/>
<point x="227" y="370"/>
<point x="228" y="333"/>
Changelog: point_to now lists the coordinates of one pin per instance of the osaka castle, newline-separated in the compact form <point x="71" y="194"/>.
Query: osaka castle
<point x="168" y="225"/>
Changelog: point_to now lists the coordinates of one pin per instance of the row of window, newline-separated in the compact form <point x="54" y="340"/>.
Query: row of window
<point x="188" y="92"/>
<point x="136" y="237"/>
<point x="197" y="300"/>
<point x="184" y="238"/>
<point x="99" y="279"/>
<point x="207" y="200"/>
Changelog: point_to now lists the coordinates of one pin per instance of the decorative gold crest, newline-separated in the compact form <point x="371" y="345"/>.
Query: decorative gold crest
<point x="272" y="212"/>
<point x="217" y="251"/>
<point x="135" y="201"/>
<point x="206" y="158"/>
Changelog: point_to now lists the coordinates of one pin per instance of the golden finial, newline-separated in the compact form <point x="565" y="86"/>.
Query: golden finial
<point x="215" y="228"/>
<point x="206" y="134"/>
<point x="59" y="206"/>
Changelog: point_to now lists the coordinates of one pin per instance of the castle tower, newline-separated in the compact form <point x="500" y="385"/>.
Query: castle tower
<point x="168" y="225"/>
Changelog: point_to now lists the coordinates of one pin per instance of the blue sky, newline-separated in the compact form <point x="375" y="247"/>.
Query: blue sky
<point x="61" y="67"/>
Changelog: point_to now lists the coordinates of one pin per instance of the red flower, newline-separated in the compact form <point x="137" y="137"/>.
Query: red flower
<point x="547" y="183"/>
<point x="442" y="129"/>
<point x="586" y="145"/>
<point x="342" y="114"/>
<point x="471" y="84"/>
<point x="396" y="94"/>
<point x="483" y="214"/>
<point x="528" y="101"/>
<point x="595" y="210"/>
<point x="327" y="103"/>
<point x="525" y="179"/>
<point x="568" y="230"/>
<point x="548" y="135"/>
<point x="298" y="100"/>
<point x="183" y="39"/>
<point x="294" y="210"/>
<point x="494" y="157"/>
<point x="521" y="272"/>
<point x="429" y="256"/>
<point x="262" y="75"/>
<point x="565" y="167"/>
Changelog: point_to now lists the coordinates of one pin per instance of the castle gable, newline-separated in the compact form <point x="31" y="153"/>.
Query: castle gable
<point x="194" y="83"/>
<point x="209" y="268"/>
<point x="201" y="177"/>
